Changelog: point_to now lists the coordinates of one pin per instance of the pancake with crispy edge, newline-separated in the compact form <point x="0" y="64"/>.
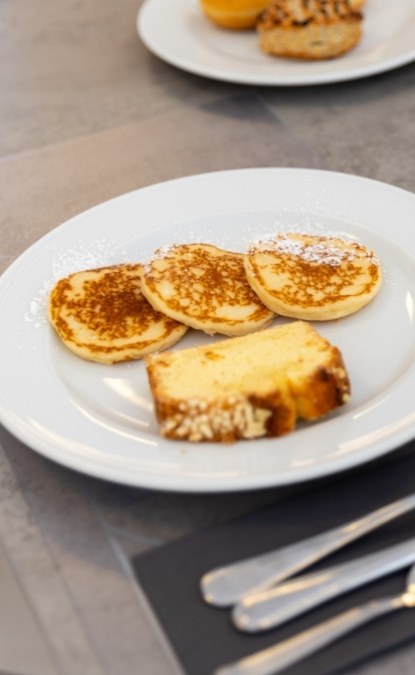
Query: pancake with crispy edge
<point x="313" y="277"/>
<point x="204" y="287"/>
<point x="101" y="315"/>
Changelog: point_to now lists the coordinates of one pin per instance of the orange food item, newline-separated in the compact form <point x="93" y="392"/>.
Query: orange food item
<point x="234" y="14"/>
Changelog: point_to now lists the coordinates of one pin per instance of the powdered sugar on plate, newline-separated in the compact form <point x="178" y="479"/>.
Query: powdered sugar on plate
<point x="233" y="231"/>
<point x="69" y="260"/>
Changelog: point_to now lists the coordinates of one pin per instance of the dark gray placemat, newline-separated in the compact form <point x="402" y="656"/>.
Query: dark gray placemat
<point x="204" y="638"/>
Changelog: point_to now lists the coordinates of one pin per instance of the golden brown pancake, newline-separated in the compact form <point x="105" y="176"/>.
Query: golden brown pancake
<point x="101" y="315"/>
<point x="306" y="276"/>
<point x="204" y="287"/>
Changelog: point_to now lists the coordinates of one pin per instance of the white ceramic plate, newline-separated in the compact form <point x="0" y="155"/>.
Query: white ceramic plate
<point x="99" y="419"/>
<point x="177" y="32"/>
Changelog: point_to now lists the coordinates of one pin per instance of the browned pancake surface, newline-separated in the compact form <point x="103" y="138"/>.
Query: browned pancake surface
<point x="102" y="315"/>
<point x="204" y="287"/>
<point x="309" y="276"/>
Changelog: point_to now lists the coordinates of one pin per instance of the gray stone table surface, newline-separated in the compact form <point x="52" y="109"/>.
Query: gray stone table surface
<point x="87" y="113"/>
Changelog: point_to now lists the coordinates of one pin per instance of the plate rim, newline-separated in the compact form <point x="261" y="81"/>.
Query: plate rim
<point x="376" y="68"/>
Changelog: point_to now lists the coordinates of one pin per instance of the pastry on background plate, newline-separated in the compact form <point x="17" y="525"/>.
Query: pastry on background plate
<point x="309" y="29"/>
<point x="236" y="14"/>
<point x="313" y="277"/>
<point x="101" y="315"/>
<point x="247" y="387"/>
<point x="204" y="287"/>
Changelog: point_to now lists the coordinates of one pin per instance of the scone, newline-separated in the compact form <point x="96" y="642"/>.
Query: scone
<point x="312" y="29"/>
<point x="247" y="387"/>
<point x="236" y="14"/>
<point x="313" y="277"/>
<point x="101" y="315"/>
<point x="204" y="287"/>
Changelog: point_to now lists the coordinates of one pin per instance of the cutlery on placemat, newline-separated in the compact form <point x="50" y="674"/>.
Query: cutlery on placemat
<point x="227" y="585"/>
<point x="284" y="654"/>
<point x="288" y="600"/>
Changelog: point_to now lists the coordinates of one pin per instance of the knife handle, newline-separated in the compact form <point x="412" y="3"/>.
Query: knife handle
<point x="284" y="654"/>
<point x="224" y="586"/>
<point x="286" y="601"/>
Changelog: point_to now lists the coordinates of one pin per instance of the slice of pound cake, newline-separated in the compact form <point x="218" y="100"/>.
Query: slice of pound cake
<point x="247" y="387"/>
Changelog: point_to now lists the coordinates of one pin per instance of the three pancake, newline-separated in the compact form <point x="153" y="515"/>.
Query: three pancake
<point x="311" y="277"/>
<point x="204" y="287"/>
<point x="101" y="315"/>
<point x="125" y="312"/>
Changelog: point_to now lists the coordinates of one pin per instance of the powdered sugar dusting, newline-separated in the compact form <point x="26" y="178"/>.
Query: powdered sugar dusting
<point x="81" y="257"/>
<point x="162" y="252"/>
<point x="315" y="249"/>
<point x="323" y="252"/>
<point x="36" y="313"/>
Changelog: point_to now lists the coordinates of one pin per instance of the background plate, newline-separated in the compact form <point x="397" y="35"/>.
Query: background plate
<point x="99" y="419"/>
<point x="188" y="40"/>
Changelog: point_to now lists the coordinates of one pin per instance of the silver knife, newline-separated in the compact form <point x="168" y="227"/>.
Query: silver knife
<point x="224" y="586"/>
<point x="281" y="655"/>
<point x="286" y="601"/>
